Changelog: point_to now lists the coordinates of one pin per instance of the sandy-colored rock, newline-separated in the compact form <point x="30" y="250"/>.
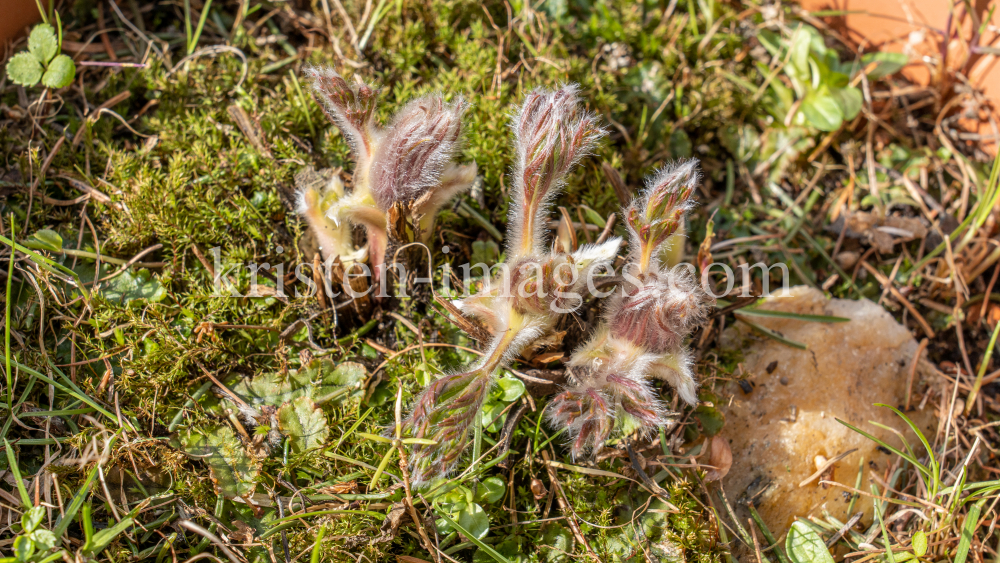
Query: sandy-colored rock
<point x="778" y="429"/>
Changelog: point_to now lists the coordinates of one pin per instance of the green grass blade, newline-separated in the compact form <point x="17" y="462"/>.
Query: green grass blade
<point x="771" y="541"/>
<point x="375" y="438"/>
<point x="973" y="486"/>
<point x="49" y="265"/>
<point x="193" y="41"/>
<point x="314" y="556"/>
<point x="979" y="376"/>
<point x="968" y="530"/>
<point x="486" y="548"/>
<point x="381" y="468"/>
<point x="76" y="395"/>
<point x="770" y="333"/>
<point x="793" y="316"/>
<point x="885" y="533"/>
<point x="935" y="467"/>
<point x="6" y="327"/>
<point x="12" y="465"/>
<point x="921" y="467"/>
<point x="977" y="216"/>
<point x="62" y="524"/>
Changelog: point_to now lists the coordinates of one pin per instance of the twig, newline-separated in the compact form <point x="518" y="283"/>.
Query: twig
<point x="189" y="525"/>
<point x="829" y="463"/>
<point x="564" y="505"/>
<point x="899" y="297"/>
<point x="404" y="469"/>
<point x="913" y="370"/>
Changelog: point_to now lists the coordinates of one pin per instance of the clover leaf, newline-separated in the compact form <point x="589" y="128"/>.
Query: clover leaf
<point x="42" y="61"/>
<point x="60" y="73"/>
<point x="24" y="69"/>
<point x="43" y="43"/>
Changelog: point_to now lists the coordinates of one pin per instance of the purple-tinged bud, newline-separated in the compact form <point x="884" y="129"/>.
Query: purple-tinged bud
<point x="415" y="150"/>
<point x="657" y="213"/>
<point x="350" y="106"/>
<point x="552" y="133"/>
<point x="586" y="414"/>
<point x="444" y="412"/>
<point x="660" y="312"/>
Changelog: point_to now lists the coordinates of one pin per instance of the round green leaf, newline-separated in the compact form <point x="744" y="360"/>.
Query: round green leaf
<point x="849" y="99"/>
<point x="24" y="548"/>
<point x="919" y="543"/>
<point x="32" y="518"/>
<point x="303" y="422"/>
<point x="490" y="490"/>
<point x="493" y="417"/>
<point x="43" y="539"/>
<point x="129" y="287"/>
<point x="888" y="63"/>
<point x="474" y="519"/>
<point x="804" y="545"/>
<point x="60" y="73"/>
<point x="822" y="110"/>
<point x="43" y="43"/>
<point x="510" y="388"/>
<point x="24" y="69"/>
<point x="559" y="540"/>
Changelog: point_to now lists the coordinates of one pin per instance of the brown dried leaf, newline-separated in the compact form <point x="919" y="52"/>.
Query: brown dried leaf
<point x="720" y="458"/>
<point x="241" y="533"/>
<point x="538" y="489"/>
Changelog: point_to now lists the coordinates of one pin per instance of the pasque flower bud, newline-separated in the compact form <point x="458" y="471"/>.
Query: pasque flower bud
<point x="642" y="336"/>
<point x="409" y="160"/>
<point x="536" y="286"/>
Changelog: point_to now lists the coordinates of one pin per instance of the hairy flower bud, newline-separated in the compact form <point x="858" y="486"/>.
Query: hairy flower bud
<point x="410" y="160"/>
<point x="533" y="289"/>
<point x="415" y="149"/>
<point x="644" y="328"/>
<point x="350" y="106"/>
<point x="660" y="311"/>
<point x="552" y="133"/>
<point x="657" y="214"/>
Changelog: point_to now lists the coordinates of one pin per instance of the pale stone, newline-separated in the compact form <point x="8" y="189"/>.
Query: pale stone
<point x="779" y="430"/>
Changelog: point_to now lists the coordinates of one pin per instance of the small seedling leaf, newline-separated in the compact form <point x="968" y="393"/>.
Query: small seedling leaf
<point x="303" y="422"/>
<point x="560" y="539"/>
<point x="60" y="73"/>
<point x="32" y="518"/>
<point x="131" y="286"/>
<point x="45" y="239"/>
<point x="321" y="380"/>
<point x="493" y="416"/>
<point x="919" y="543"/>
<point x="233" y="470"/>
<point x="822" y="110"/>
<point x="485" y="252"/>
<point x="511" y="388"/>
<point x="104" y="538"/>
<point x="711" y="418"/>
<point x="491" y="490"/>
<point x="24" y="548"/>
<point x="849" y="100"/>
<point x="888" y="63"/>
<point x="475" y="521"/>
<point x="43" y="43"/>
<point x="43" y="539"/>
<point x="24" y="69"/>
<point x="805" y="546"/>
